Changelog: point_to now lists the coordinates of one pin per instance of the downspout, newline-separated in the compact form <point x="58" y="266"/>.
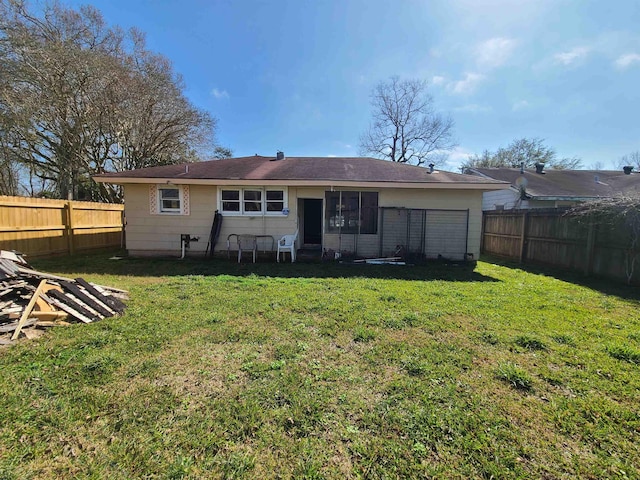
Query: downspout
<point x="340" y="222"/>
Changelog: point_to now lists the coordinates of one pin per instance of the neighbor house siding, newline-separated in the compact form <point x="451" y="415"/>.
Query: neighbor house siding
<point x="508" y="198"/>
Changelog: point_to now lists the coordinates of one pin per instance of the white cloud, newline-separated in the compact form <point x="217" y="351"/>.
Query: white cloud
<point x="437" y="80"/>
<point x="572" y="56"/>
<point x="455" y="158"/>
<point x="626" y="60"/>
<point x="494" y="52"/>
<point x="467" y="85"/>
<point x="520" y="105"/>
<point x="473" y="108"/>
<point x="219" y="94"/>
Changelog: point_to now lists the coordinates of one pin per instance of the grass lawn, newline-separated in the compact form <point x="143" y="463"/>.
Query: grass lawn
<point x="219" y="370"/>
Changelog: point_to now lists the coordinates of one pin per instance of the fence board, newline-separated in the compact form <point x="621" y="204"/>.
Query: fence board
<point x="41" y="227"/>
<point x="549" y="237"/>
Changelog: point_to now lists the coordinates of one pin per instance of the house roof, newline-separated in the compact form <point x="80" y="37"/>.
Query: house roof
<point x="566" y="184"/>
<point x="300" y="170"/>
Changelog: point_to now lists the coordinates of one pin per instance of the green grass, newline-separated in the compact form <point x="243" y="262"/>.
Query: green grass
<point x="219" y="370"/>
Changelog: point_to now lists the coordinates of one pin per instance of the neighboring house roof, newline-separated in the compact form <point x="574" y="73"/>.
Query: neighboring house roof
<point x="566" y="184"/>
<point x="301" y="171"/>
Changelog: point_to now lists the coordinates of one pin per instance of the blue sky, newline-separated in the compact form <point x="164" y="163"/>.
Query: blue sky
<point x="296" y="75"/>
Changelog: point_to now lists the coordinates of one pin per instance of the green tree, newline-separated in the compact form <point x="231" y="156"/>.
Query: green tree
<point x="521" y="151"/>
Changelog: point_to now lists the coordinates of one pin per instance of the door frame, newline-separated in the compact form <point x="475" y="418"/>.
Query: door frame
<point x="301" y="222"/>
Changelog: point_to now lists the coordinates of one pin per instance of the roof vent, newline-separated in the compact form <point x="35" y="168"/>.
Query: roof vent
<point x="521" y="167"/>
<point x="279" y="155"/>
<point x="431" y="166"/>
<point x="627" y="169"/>
<point x="539" y="167"/>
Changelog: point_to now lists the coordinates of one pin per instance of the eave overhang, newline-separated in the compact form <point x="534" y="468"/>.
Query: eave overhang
<point x="303" y="183"/>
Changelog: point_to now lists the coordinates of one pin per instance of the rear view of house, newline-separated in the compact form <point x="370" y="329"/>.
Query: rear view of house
<point x="359" y="206"/>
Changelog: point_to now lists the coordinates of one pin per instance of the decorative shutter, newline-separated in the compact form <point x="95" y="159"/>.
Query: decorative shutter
<point x="185" y="200"/>
<point x="153" y="199"/>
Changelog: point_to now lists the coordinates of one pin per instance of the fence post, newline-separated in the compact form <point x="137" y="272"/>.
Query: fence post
<point x="523" y="235"/>
<point x="591" y="243"/>
<point x="69" y="224"/>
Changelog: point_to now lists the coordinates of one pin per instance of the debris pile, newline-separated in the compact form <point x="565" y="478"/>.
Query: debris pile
<point x="32" y="300"/>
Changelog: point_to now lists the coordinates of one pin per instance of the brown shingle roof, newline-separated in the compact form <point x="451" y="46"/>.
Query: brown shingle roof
<point x="350" y="169"/>
<point x="568" y="183"/>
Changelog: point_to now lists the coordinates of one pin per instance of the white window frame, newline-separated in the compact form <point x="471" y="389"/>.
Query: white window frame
<point x="263" y="202"/>
<point x="173" y="211"/>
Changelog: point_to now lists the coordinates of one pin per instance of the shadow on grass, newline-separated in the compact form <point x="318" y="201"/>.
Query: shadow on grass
<point x="101" y="263"/>
<point x="603" y="285"/>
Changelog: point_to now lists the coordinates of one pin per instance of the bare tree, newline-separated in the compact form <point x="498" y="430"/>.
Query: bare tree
<point x="632" y="160"/>
<point x="522" y="151"/>
<point x="78" y="98"/>
<point x="405" y="126"/>
<point x="620" y="212"/>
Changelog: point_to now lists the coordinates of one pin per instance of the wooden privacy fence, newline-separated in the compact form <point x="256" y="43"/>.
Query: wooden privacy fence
<point x="40" y="227"/>
<point x="549" y="237"/>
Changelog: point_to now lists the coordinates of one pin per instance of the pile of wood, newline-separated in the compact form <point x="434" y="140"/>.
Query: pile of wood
<point x="31" y="301"/>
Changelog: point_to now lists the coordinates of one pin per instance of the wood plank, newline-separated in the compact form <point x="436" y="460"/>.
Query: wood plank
<point x="112" y="301"/>
<point x="88" y="299"/>
<point x="10" y="327"/>
<point x="67" y="308"/>
<point x="49" y="276"/>
<point x="32" y="333"/>
<point x="50" y="323"/>
<point x="76" y="304"/>
<point x="27" y="310"/>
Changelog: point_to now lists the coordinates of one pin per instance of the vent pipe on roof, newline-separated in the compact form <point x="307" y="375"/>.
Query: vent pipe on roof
<point x="539" y="167"/>
<point x="279" y="155"/>
<point x="521" y="167"/>
<point x="627" y="169"/>
<point x="431" y="166"/>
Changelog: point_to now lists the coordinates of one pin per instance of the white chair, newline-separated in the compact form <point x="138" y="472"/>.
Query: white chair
<point x="288" y="243"/>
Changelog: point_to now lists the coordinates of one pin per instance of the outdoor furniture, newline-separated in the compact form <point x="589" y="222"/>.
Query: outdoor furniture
<point x="264" y="243"/>
<point x="247" y="243"/>
<point x="287" y="243"/>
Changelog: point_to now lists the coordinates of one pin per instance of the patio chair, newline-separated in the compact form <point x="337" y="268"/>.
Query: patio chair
<point x="288" y="243"/>
<point x="247" y="243"/>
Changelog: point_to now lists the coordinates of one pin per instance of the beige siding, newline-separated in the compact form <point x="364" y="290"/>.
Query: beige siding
<point x="161" y="233"/>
